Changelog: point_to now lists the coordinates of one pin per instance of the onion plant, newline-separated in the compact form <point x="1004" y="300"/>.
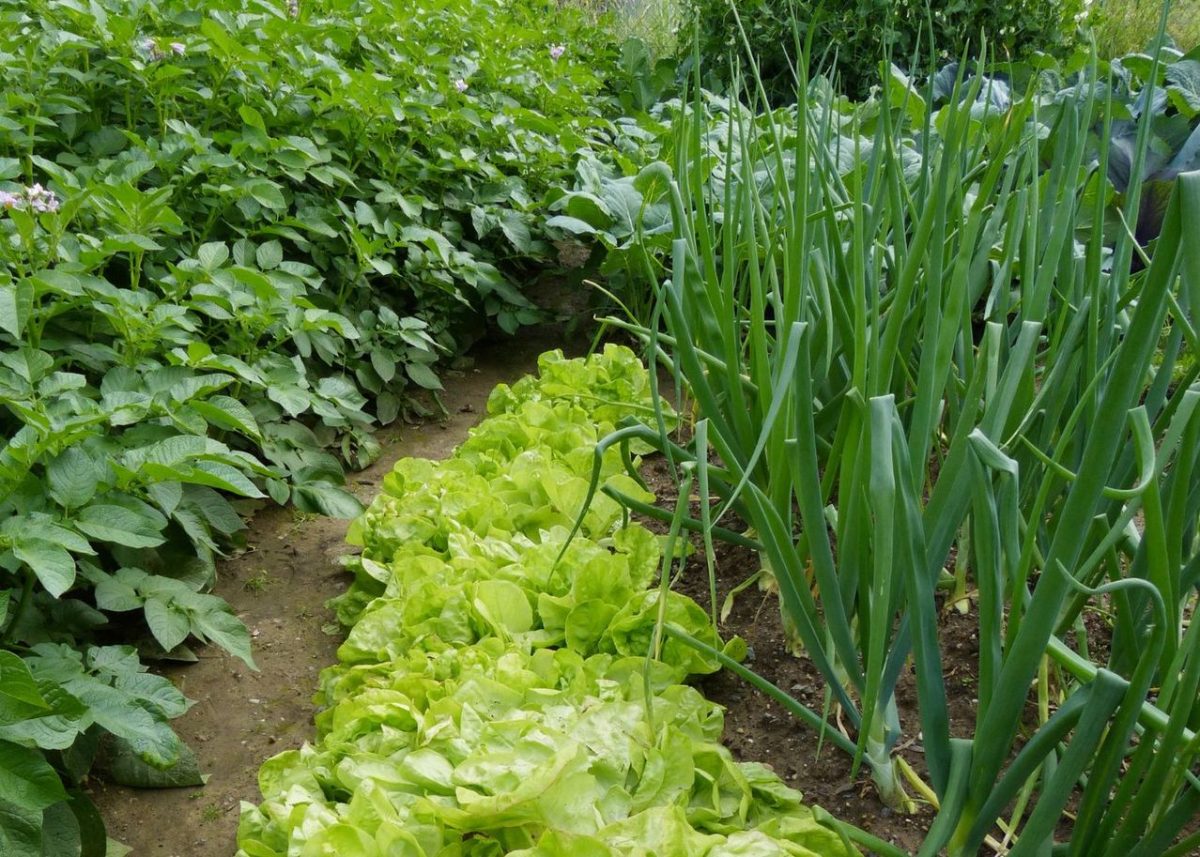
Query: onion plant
<point x="911" y="333"/>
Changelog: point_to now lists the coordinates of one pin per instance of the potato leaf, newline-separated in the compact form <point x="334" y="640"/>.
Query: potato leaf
<point x="26" y="778"/>
<point x="119" y="525"/>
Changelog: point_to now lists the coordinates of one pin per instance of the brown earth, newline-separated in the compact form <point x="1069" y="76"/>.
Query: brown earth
<point x="758" y="728"/>
<point x="278" y="585"/>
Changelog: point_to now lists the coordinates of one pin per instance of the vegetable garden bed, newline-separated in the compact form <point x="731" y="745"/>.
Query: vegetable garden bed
<point x="939" y="348"/>
<point x="759" y="727"/>
<point x="505" y="687"/>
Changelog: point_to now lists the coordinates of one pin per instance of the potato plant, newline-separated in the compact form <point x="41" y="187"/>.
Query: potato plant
<point x="233" y="240"/>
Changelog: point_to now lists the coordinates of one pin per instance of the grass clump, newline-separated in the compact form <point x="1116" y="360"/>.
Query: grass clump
<point x="1128" y="26"/>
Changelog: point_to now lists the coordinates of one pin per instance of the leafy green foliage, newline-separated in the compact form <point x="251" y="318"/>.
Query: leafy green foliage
<point x="521" y="474"/>
<point x="1167" y="95"/>
<point x="56" y="704"/>
<point x="621" y="204"/>
<point x="497" y="696"/>
<point x="852" y="39"/>
<point x="232" y="241"/>
<point x="1122" y="26"/>
<point x="492" y="748"/>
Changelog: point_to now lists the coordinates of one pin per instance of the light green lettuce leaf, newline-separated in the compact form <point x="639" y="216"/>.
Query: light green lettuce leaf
<point x="494" y="694"/>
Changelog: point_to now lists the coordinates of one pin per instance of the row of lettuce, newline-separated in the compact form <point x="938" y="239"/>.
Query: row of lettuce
<point x="496" y="693"/>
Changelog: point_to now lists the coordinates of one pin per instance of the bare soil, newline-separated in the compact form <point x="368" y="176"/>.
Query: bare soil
<point x="278" y="584"/>
<point x="757" y="728"/>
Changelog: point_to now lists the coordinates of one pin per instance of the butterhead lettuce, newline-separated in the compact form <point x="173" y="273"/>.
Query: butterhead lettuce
<point x="494" y="695"/>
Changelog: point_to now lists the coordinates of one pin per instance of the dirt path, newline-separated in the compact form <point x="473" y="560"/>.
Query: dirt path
<point x="279" y="586"/>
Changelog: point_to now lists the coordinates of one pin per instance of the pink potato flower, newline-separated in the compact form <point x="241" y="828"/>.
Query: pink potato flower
<point x="42" y="199"/>
<point x="34" y="198"/>
<point x="155" y="54"/>
<point x="556" y="52"/>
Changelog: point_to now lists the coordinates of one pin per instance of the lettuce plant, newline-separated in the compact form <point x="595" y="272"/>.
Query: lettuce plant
<point x="503" y="693"/>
